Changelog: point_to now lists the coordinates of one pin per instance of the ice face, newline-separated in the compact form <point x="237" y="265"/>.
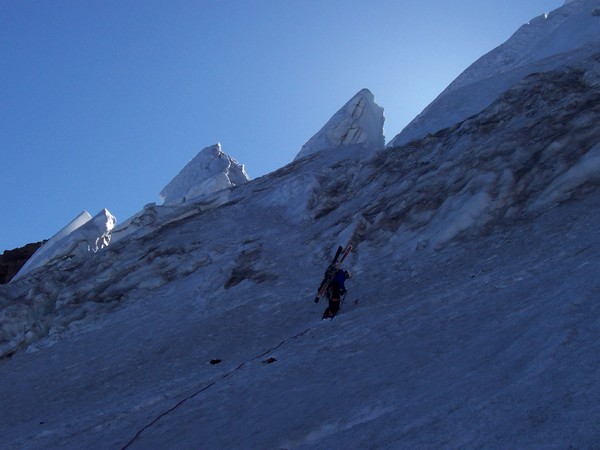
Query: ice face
<point x="359" y="123"/>
<point x="209" y="171"/>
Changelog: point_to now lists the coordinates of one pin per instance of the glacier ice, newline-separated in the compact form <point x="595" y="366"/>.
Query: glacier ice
<point x="476" y="263"/>
<point x="359" y="122"/>
<point x="566" y="35"/>
<point x="209" y="171"/>
<point x="83" y="235"/>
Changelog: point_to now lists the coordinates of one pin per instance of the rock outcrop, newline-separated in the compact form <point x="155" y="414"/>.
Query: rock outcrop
<point x="11" y="261"/>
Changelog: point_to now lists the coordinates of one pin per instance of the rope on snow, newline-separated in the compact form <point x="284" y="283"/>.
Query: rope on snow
<point x="208" y="386"/>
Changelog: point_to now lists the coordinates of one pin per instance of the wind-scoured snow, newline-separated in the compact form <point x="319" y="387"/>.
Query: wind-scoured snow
<point x="358" y="123"/>
<point x="566" y="34"/>
<point x="209" y="171"/>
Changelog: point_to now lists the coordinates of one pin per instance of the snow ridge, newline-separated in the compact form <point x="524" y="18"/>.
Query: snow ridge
<point x="567" y="34"/>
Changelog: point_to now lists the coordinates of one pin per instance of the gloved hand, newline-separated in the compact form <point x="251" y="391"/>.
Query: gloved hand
<point x="316" y="299"/>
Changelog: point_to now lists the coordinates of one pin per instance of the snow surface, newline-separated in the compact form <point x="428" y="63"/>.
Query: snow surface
<point x="569" y="33"/>
<point x="209" y="171"/>
<point x="358" y="123"/>
<point x="79" y="237"/>
<point x="472" y="318"/>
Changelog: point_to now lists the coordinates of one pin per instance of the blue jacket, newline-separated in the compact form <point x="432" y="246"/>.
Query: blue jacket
<point x="339" y="279"/>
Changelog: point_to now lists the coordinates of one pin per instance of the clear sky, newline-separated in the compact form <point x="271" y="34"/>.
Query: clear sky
<point x="102" y="103"/>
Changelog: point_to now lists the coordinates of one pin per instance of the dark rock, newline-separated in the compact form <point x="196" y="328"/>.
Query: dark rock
<point x="11" y="261"/>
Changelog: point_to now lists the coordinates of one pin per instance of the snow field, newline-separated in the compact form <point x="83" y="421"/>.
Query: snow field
<point x="471" y="321"/>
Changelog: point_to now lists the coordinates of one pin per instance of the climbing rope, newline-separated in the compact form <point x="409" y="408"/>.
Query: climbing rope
<point x="208" y="386"/>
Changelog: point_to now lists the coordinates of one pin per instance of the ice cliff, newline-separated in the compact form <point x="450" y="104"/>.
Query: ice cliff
<point x="359" y="123"/>
<point x="209" y="171"/>
<point x="83" y="235"/>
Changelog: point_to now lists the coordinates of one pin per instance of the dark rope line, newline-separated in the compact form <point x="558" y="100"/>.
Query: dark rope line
<point x="208" y="386"/>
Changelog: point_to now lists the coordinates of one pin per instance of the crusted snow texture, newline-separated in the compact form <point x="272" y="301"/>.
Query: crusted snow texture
<point x="358" y="123"/>
<point x="567" y="34"/>
<point x="209" y="171"/>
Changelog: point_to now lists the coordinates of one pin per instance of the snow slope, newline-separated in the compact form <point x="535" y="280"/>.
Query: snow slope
<point x="569" y="33"/>
<point x="471" y="321"/>
<point x="358" y="123"/>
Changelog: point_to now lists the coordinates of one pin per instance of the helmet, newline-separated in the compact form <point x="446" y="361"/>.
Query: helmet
<point x="347" y="274"/>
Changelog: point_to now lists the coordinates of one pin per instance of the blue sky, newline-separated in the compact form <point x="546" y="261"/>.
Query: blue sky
<point x="103" y="102"/>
